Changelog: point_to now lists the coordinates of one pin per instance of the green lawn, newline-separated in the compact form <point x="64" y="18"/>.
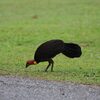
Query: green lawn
<point x="25" y="24"/>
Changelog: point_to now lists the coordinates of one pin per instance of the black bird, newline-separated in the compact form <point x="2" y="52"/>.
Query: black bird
<point x="49" y="49"/>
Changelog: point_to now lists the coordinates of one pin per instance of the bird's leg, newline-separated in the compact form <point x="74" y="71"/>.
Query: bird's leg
<point x="52" y="65"/>
<point x="48" y="65"/>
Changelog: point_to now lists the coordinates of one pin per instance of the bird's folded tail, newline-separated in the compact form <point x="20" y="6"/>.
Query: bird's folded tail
<point x="72" y="50"/>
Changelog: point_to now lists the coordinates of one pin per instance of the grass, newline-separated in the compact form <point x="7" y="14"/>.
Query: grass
<point x="24" y="25"/>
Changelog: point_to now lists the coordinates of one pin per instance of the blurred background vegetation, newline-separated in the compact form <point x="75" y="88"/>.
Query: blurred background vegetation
<point x="25" y="24"/>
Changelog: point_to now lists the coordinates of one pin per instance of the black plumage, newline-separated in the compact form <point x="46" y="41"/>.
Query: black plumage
<point x="49" y="49"/>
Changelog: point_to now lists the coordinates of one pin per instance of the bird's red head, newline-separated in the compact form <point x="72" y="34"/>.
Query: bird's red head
<point x="30" y="62"/>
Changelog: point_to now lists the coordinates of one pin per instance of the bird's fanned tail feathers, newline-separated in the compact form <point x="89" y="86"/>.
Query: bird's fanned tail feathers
<point x="72" y="50"/>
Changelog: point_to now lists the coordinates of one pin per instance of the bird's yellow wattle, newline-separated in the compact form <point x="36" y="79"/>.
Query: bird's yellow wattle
<point x="35" y="62"/>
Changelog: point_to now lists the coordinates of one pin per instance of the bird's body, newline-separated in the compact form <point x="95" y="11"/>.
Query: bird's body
<point x="49" y="49"/>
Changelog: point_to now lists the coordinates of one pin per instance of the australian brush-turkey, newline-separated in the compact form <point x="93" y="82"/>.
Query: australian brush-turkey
<point x="49" y="49"/>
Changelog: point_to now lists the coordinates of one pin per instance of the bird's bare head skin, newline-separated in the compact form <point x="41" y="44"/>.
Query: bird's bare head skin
<point x="30" y="62"/>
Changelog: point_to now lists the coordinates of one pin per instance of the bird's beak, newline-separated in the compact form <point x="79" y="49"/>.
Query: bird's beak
<point x="27" y="65"/>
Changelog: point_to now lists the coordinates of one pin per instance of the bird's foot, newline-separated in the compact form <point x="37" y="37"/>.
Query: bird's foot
<point x="52" y="71"/>
<point x="45" y="71"/>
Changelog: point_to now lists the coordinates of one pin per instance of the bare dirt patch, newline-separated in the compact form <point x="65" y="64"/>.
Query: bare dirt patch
<point x="16" y="88"/>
